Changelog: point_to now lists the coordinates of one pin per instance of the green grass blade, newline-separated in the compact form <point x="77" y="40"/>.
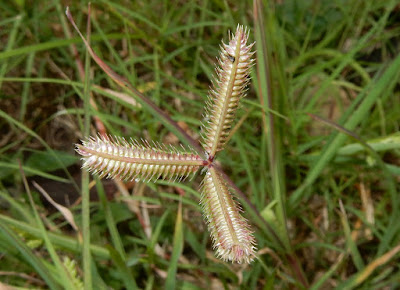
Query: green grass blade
<point x="66" y="242"/>
<point x="86" y="255"/>
<point x="10" y="44"/>
<point x="32" y="171"/>
<point x="21" y="209"/>
<point x="271" y="99"/>
<point x="53" y="44"/>
<point x="120" y="254"/>
<point x="372" y="93"/>
<point x="170" y="283"/>
<point x="351" y="245"/>
<point x="64" y="275"/>
<point x="110" y="219"/>
<point x="26" y="87"/>
<point x="15" y="241"/>
<point x="123" y="269"/>
<point x="133" y="15"/>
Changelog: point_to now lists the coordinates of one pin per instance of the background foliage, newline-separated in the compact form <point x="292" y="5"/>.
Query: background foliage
<point x="316" y="148"/>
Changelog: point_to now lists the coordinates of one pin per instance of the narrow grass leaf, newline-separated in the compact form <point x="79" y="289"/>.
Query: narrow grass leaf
<point x="170" y="283"/>
<point x="123" y="269"/>
<point x="66" y="242"/>
<point x="43" y="270"/>
<point x="111" y="225"/>
<point x="64" y="276"/>
<point x="85" y="210"/>
<point x="26" y="86"/>
<point x="351" y="244"/>
<point x="21" y="209"/>
<point x="34" y="172"/>
<point x="157" y="231"/>
<point x="355" y="280"/>
<point x="329" y="273"/>
<point x="11" y="41"/>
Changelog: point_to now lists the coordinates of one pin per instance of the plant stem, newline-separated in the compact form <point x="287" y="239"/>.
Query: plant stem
<point x="85" y="175"/>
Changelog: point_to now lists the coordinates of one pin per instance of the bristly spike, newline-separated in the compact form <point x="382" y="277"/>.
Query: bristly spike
<point x="142" y="160"/>
<point x="232" y="77"/>
<point x="231" y="234"/>
<point x="112" y="157"/>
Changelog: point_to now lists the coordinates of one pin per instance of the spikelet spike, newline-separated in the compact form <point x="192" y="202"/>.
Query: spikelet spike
<point x="235" y="61"/>
<point x="231" y="234"/>
<point x="114" y="156"/>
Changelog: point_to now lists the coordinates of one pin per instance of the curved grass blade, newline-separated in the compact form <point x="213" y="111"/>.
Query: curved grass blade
<point x="177" y="250"/>
<point x="64" y="276"/>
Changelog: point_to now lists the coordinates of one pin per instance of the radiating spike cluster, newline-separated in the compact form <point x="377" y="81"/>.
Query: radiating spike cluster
<point x="232" y="78"/>
<point x="231" y="234"/>
<point x="111" y="157"/>
<point x="114" y="156"/>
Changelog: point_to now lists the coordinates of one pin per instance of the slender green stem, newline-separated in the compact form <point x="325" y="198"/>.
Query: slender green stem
<point x="269" y="100"/>
<point x="11" y="41"/>
<point x="85" y="176"/>
<point x="272" y="92"/>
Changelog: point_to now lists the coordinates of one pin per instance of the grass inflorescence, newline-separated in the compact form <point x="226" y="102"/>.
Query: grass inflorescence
<point x="307" y="181"/>
<point x="115" y="157"/>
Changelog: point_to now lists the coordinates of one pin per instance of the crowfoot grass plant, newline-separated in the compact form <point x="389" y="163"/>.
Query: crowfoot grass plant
<point x="149" y="161"/>
<point x="324" y="96"/>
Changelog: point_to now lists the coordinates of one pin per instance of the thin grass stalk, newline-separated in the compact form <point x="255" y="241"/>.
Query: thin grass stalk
<point x="9" y="47"/>
<point x="74" y="51"/>
<point x="86" y="256"/>
<point x="269" y="100"/>
<point x="170" y="282"/>
<point x="26" y="86"/>
<point x="266" y="94"/>
<point x="64" y="277"/>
